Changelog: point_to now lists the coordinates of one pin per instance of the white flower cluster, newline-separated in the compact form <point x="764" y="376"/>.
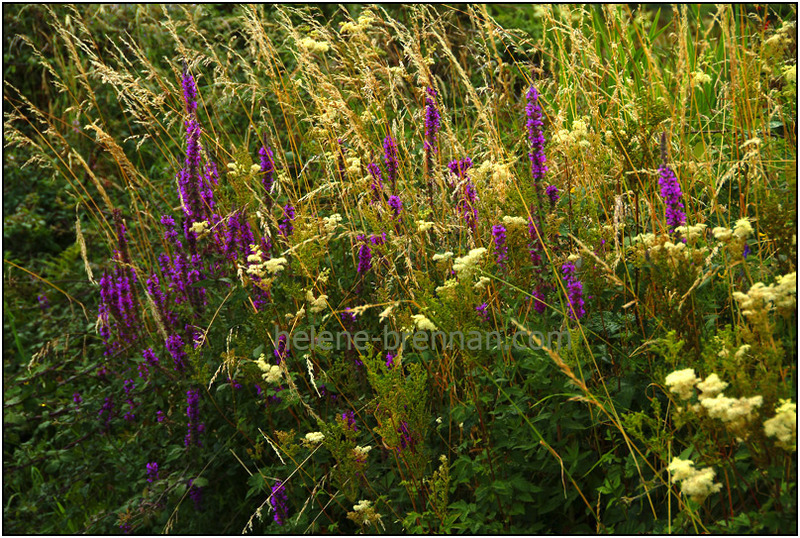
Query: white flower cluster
<point x="698" y="77"/>
<point x="575" y="137"/>
<point x="696" y="484"/>
<point x="364" y="22"/>
<point x="314" y="437"/>
<point x="691" y="232"/>
<point x="423" y="323"/>
<point x="271" y="372"/>
<point x="734" y="412"/>
<point x="330" y="223"/>
<point x="682" y="383"/>
<point x="515" y="222"/>
<point x="465" y="266"/>
<point x="275" y="265"/>
<point x="442" y="257"/>
<point x="448" y="287"/>
<point x="311" y="45"/>
<point x="200" y="228"/>
<point x="424" y="226"/>
<point x="783" y="425"/>
<point x="361" y="451"/>
<point x="256" y="265"/>
<point x="317" y="304"/>
<point x="760" y="298"/>
<point x="741" y="230"/>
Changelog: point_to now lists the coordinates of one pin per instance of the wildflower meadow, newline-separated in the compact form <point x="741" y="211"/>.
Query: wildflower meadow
<point x="337" y="269"/>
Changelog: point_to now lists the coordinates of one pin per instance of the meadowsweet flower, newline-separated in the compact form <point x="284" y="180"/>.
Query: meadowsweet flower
<point x="722" y="234"/>
<point x="482" y="283"/>
<point x="314" y="437"/>
<point x="682" y="383"/>
<point x="700" y="485"/>
<point x="735" y="412"/>
<point x="424" y="226"/>
<point x="465" y="266"/>
<point x="712" y="386"/>
<point x="783" y="425"/>
<point x="742" y="229"/>
<point x="574" y="291"/>
<point x="275" y="265"/>
<point x="499" y="237"/>
<point x="273" y="375"/>
<point x="319" y="304"/>
<point x="360" y="453"/>
<point x="442" y="257"/>
<point x="681" y="469"/>
<point x="331" y="222"/>
<point x="423" y="323"/>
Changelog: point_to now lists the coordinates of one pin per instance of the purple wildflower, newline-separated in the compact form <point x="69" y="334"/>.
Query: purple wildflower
<point x="396" y="204"/>
<point x="278" y="502"/>
<point x="349" y="420"/>
<point x="44" y="304"/>
<point x="267" y="168"/>
<point x="432" y="121"/>
<point x="671" y="192"/>
<point x="574" y="290"/>
<point x="196" y="494"/>
<point x="535" y="244"/>
<point x="285" y="226"/>
<point x="406" y="439"/>
<point x="152" y="471"/>
<point x="746" y="251"/>
<point x="390" y="360"/>
<point x="160" y="416"/>
<point x="376" y="239"/>
<point x="533" y="112"/>
<point x="77" y="398"/>
<point x="482" y="311"/>
<point x="175" y="347"/>
<point x="193" y="414"/>
<point x="552" y="193"/>
<point x="107" y="410"/>
<point x="377" y="181"/>
<point x="280" y="350"/>
<point x="390" y="159"/>
<point x="538" y="300"/>
<point x="364" y="257"/>
<point x="468" y="205"/>
<point x="499" y="236"/>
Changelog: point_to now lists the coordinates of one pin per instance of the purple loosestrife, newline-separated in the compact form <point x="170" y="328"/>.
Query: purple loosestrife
<point x="44" y="304"/>
<point x="152" y="472"/>
<point x="499" y="237"/>
<point x="175" y="348"/>
<point x="670" y="191"/>
<point x="459" y="169"/>
<point x="574" y="291"/>
<point x="390" y="360"/>
<point x="364" y="256"/>
<point x="538" y="300"/>
<point x="552" y="193"/>
<point x="196" y="494"/>
<point x="396" y="204"/>
<point x="483" y="312"/>
<point x="278" y="501"/>
<point x="285" y="226"/>
<point x="390" y="159"/>
<point x="468" y="205"/>
<point x="349" y="421"/>
<point x="280" y="351"/>
<point x="533" y="113"/>
<point x="432" y="123"/>
<point x="193" y="428"/>
<point x="406" y="439"/>
<point x="377" y="181"/>
<point x="107" y="411"/>
<point x="268" y="171"/>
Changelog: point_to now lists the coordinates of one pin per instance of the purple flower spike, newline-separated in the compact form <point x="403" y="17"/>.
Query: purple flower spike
<point x="552" y="193"/>
<point x="482" y="312"/>
<point x="390" y="360"/>
<point x="364" y="257"/>
<point x="671" y="192"/>
<point x="193" y="414"/>
<point x="499" y="236"/>
<point x="396" y="204"/>
<point x="533" y="112"/>
<point x="285" y="226"/>
<point x="432" y="121"/>
<point x="278" y="501"/>
<point x="574" y="291"/>
<point x="267" y="168"/>
<point x="377" y="181"/>
<point x="390" y="159"/>
<point x="152" y="472"/>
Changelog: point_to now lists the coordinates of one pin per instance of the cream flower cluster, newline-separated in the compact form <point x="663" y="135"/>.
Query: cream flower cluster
<point x="442" y="257"/>
<point x="682" y="383"/>
<point x="423" y="323"/>
<point x="465" y="265"/>
<point x="330" y="223"/>
<point x="783" y="425"/>
<point x="734" y="412"/>
<point x="317" y="304"/>
<point x="761" y="298"/>
<point x="311" y="45"/>
<point x="696" y="484"/>
<point x="314" y="437"/>
<point x="270" y="372"/>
